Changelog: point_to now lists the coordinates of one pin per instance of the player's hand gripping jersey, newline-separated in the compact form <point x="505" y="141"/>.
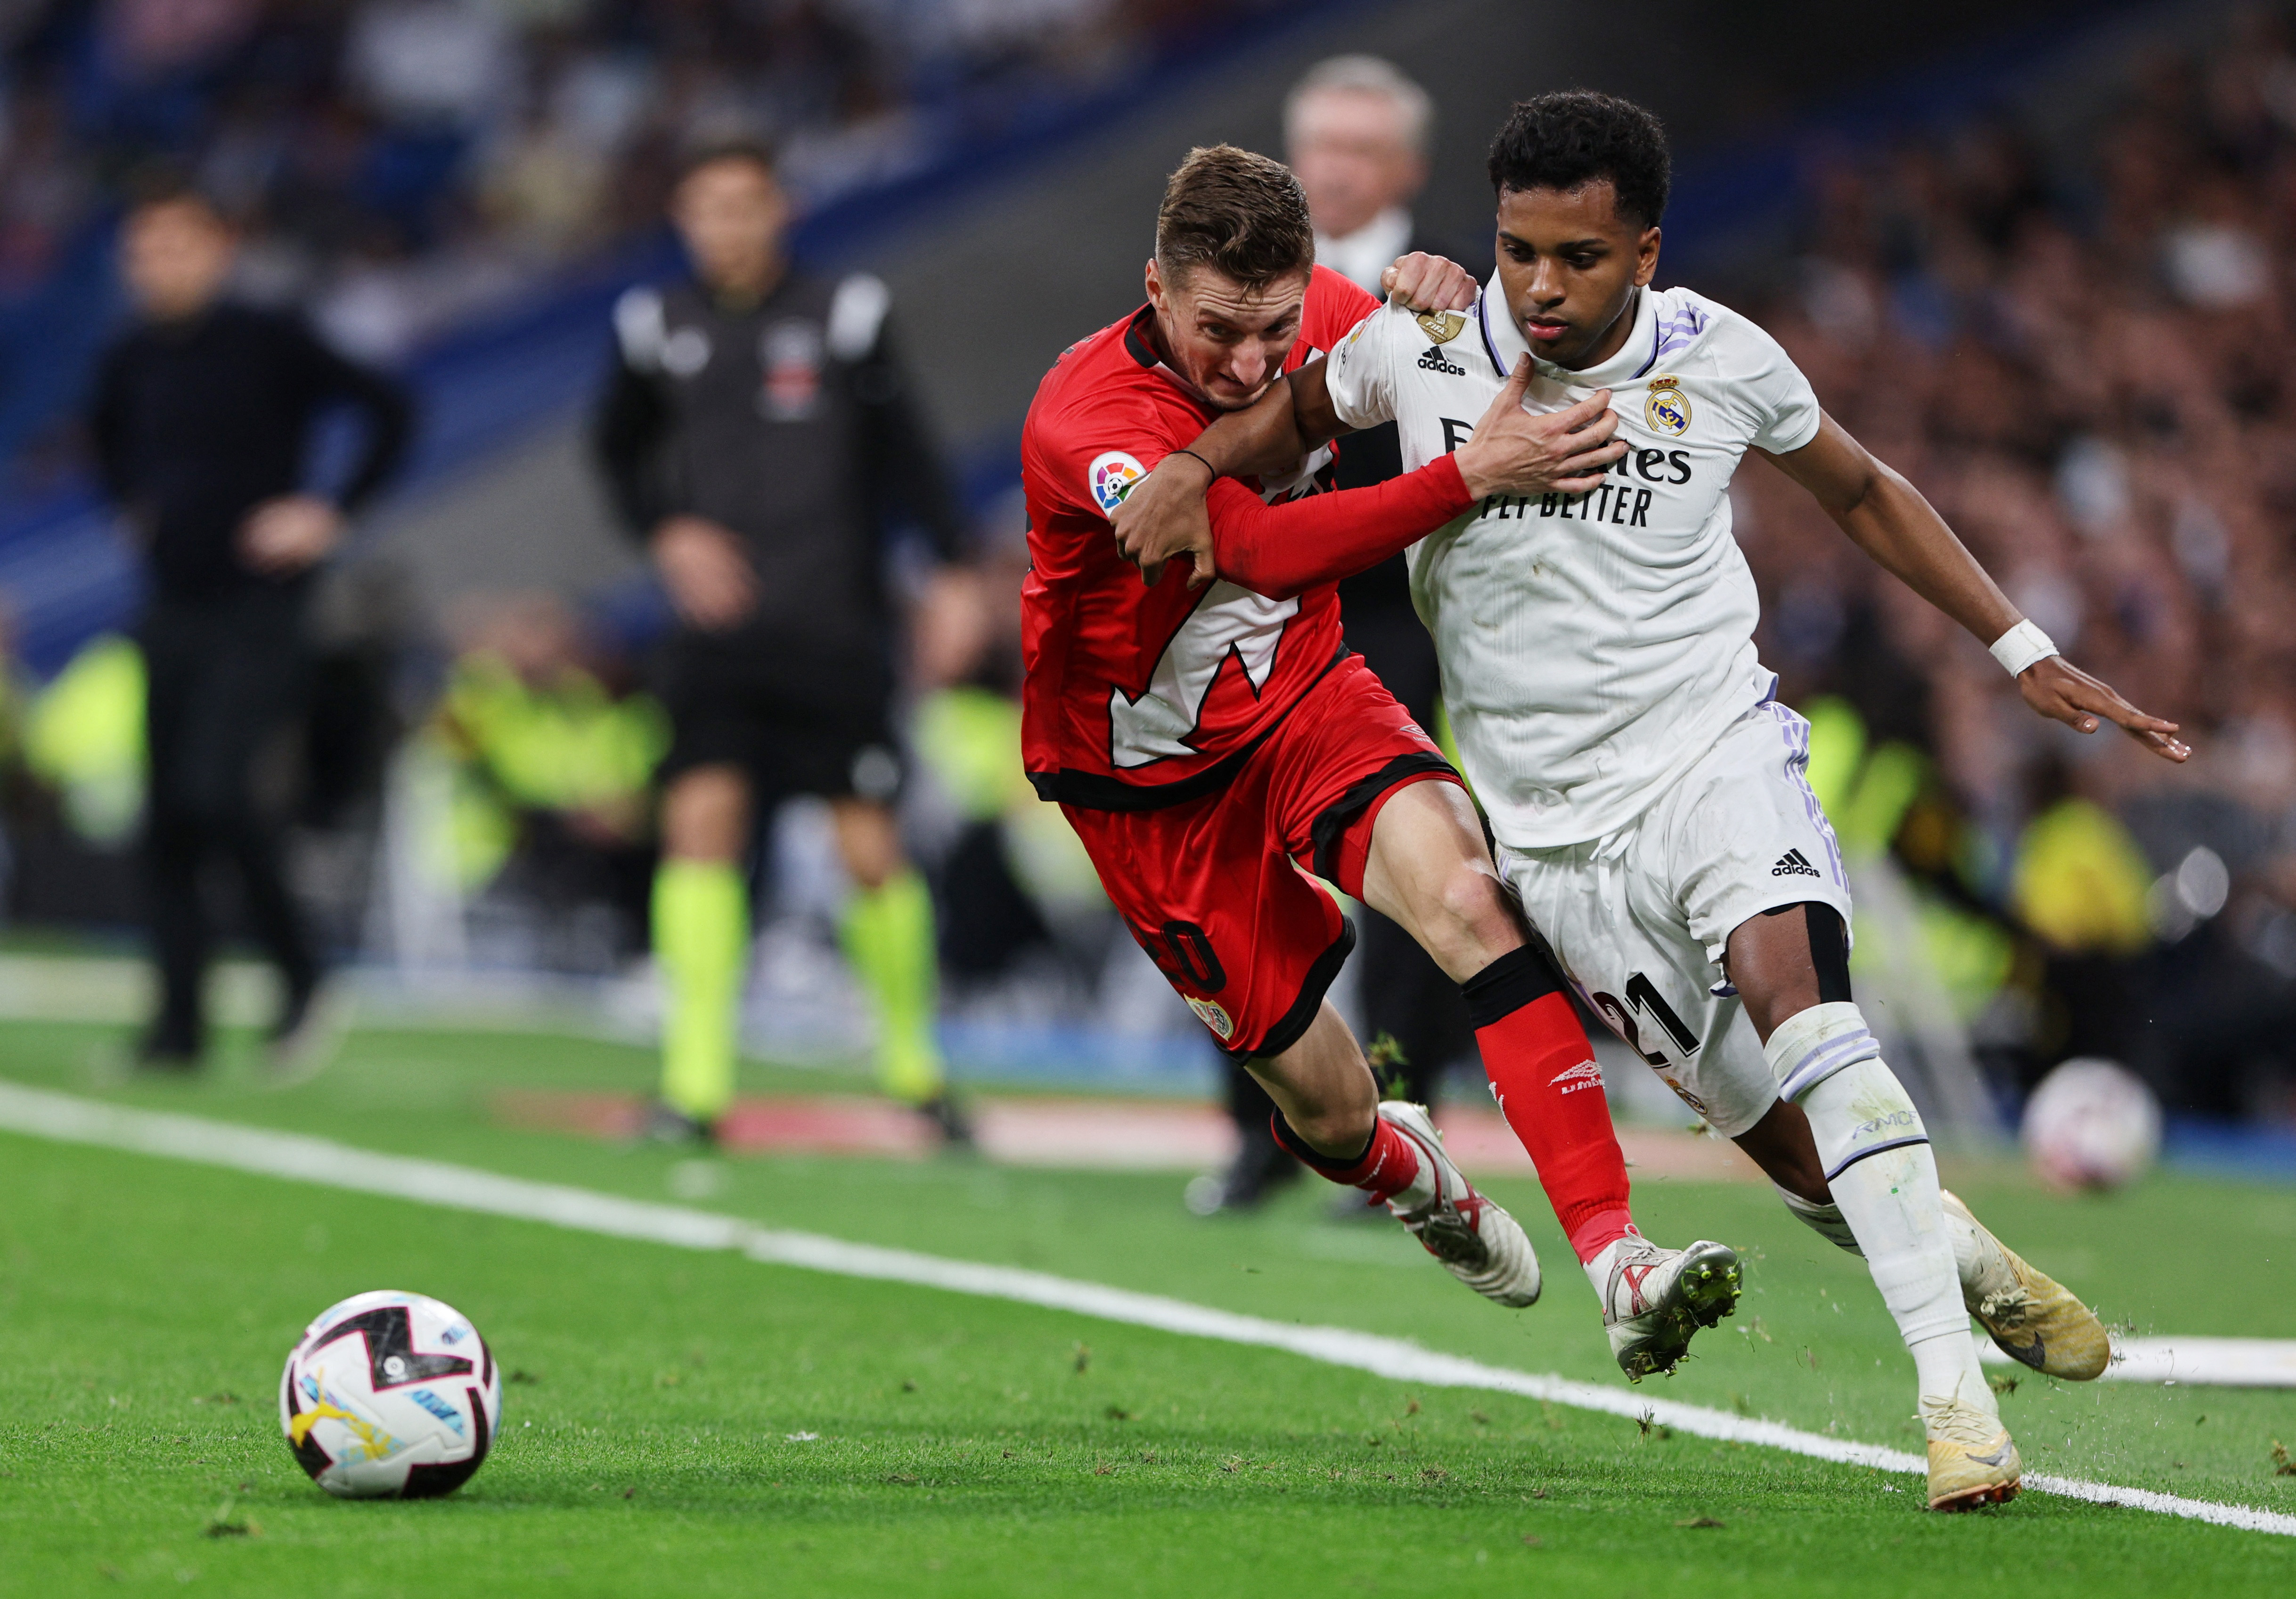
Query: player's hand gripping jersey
<point x="1593" y="646"/>
<point x="1140" y="697"/>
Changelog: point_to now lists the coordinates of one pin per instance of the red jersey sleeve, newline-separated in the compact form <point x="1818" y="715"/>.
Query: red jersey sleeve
<point x="1282" y="550"/>
<point x="1100" y="450"/>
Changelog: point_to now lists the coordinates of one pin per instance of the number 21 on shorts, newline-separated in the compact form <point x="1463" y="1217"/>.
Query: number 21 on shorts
<point x="1643" y="996"/>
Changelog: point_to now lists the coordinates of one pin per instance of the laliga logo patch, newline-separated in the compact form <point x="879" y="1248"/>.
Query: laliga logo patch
<point x="1211" y="1016"/>
<point x="1109" y="478"/>
<point x="1664" y="408"/>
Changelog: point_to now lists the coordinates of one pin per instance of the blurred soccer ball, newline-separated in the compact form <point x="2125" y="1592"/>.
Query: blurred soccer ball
<point x="390" y="1395"/>
<point x="2092" y="1124"/>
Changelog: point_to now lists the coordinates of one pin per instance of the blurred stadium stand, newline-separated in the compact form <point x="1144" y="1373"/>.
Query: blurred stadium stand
<point x="2041" y="267"/>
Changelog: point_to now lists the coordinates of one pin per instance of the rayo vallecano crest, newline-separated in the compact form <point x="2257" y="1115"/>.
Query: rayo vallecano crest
<point x="1664" y="407"/>
<point x="1209" y="1012"/>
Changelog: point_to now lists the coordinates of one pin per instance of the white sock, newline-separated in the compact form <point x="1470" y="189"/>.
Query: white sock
<point x="1883" y="1175"/>
<point x="1825" y="1220"/>
<point x="1891" y="1202"/>
<point x="1945" y="1367"/>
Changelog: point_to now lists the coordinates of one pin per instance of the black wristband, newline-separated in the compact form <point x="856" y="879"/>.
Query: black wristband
<point x="1206" y="465"/>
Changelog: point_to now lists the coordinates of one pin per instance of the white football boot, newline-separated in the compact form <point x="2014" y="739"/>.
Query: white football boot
<point x="1477" y="1241"/>
<point x="1972" y="1460"/>
<point x="1657" y="1298"/>
<point x="2033" y="1317"/>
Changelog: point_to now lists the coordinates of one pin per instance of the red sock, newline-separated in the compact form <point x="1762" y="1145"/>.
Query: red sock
<point x="1549" y="1089"/>
<point x="1385" y="1168"/>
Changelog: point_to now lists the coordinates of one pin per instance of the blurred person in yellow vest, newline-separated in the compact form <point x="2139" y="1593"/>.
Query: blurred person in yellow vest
<point x="2078" y="884"/>
<point x="83" y="737"/>
<point x="1887" y="798"/>
<point x="550" y="763"/>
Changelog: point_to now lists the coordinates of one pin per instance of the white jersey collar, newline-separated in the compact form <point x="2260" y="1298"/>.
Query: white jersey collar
<point x="1504" y="343"/>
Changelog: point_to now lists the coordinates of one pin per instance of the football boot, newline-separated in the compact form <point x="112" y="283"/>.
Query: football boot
<point x="1657" y="1298"/>
<point x="1972" y="1461"/>
<point x="2036" y="1320"/>
<point x="1477" y="1241"/>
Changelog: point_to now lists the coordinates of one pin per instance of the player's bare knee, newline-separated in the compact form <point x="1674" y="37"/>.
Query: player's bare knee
<point x="1473" y="921"/>
<point x="705" y="815"/>
<point x="869" y="842"/>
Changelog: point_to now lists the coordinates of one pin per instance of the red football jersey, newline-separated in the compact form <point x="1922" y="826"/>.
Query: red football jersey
<point x="1137" y="697"/>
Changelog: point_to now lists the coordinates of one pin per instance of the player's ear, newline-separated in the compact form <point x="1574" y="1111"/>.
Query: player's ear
<point x="1155" y="286"/>
<point x="1646" y="257"/>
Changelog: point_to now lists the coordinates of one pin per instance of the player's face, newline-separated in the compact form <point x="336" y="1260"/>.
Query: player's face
<point x="1226" y="339"/>
<point x="1570" y="265"/>
<point x="732" y="215"/>
<point x="1351" y="150"/>
<point x="175" y="256"/>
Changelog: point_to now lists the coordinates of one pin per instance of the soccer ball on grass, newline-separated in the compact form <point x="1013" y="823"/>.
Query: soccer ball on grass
<point x="390" y="1395"/>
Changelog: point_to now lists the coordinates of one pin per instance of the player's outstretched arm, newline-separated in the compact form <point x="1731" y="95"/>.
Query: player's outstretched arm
<point x="1280" y="550"/>
<point x="1511" y="451"/>
<point x="1888" y="518"/>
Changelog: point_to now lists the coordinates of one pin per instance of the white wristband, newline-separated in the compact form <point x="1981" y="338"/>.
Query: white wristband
<point x="2020" y="647"/>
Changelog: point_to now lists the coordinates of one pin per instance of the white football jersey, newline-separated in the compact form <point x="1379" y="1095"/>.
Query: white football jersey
<point x="1595" y="646"/>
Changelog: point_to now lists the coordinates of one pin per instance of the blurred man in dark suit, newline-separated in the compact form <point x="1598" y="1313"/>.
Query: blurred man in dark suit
<point x="202" y="423"/>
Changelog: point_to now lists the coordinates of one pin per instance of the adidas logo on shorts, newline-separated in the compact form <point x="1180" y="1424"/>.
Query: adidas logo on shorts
<point x="1793" y="864"/>
<point x="1435" y="360"/>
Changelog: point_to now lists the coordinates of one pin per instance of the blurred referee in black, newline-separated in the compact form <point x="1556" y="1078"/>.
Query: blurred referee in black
<point x="201" y="421"/>
<point x="1356" y="134"/>
<point x="758" y="435"/>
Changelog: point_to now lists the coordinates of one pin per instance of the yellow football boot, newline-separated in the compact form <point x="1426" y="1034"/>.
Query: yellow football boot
<point x="1972" y="1460"/>
<point x="2034" y="1319"/>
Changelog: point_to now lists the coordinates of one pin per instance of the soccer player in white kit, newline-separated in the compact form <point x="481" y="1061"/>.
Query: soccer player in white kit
<point x="1648" y="792"/>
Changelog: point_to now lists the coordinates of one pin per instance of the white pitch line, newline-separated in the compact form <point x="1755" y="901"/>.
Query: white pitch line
<point x="70" y="1118"/>
<point x="2202" y="1362"/>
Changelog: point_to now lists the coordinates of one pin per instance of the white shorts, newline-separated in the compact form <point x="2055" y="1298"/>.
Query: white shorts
<point x="1638" y="919"/>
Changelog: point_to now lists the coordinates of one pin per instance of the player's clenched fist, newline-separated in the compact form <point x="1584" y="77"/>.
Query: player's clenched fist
<point x="1518" y="452"/>
<point x="1420" y="281"/>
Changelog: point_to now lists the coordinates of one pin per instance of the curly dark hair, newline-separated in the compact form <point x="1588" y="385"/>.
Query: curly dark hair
<point x="1575" y="136"/>
<point x="1241" y="213"/>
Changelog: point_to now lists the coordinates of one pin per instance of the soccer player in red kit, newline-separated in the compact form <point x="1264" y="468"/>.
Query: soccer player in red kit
<point x="1212" y="746"/>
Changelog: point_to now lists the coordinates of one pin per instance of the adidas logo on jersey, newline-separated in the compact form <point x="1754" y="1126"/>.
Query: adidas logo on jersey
<point x="1435" y="360"/>
<point x="1793" y="864"/>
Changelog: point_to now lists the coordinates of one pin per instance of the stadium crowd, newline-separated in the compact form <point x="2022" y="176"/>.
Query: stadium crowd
<point x="2081" y="349"/>
<point x="400" y="164"/>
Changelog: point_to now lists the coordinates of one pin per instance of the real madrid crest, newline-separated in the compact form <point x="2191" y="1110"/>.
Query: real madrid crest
<point x="1441" y="326"/>
<point x="1664" y="407"/>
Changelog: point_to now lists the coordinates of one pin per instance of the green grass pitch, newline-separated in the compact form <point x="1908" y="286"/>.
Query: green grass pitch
<point x="974" y="1447"/>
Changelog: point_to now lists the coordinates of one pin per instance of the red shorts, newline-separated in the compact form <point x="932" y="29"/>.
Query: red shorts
<point x="1217" y="890"/>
